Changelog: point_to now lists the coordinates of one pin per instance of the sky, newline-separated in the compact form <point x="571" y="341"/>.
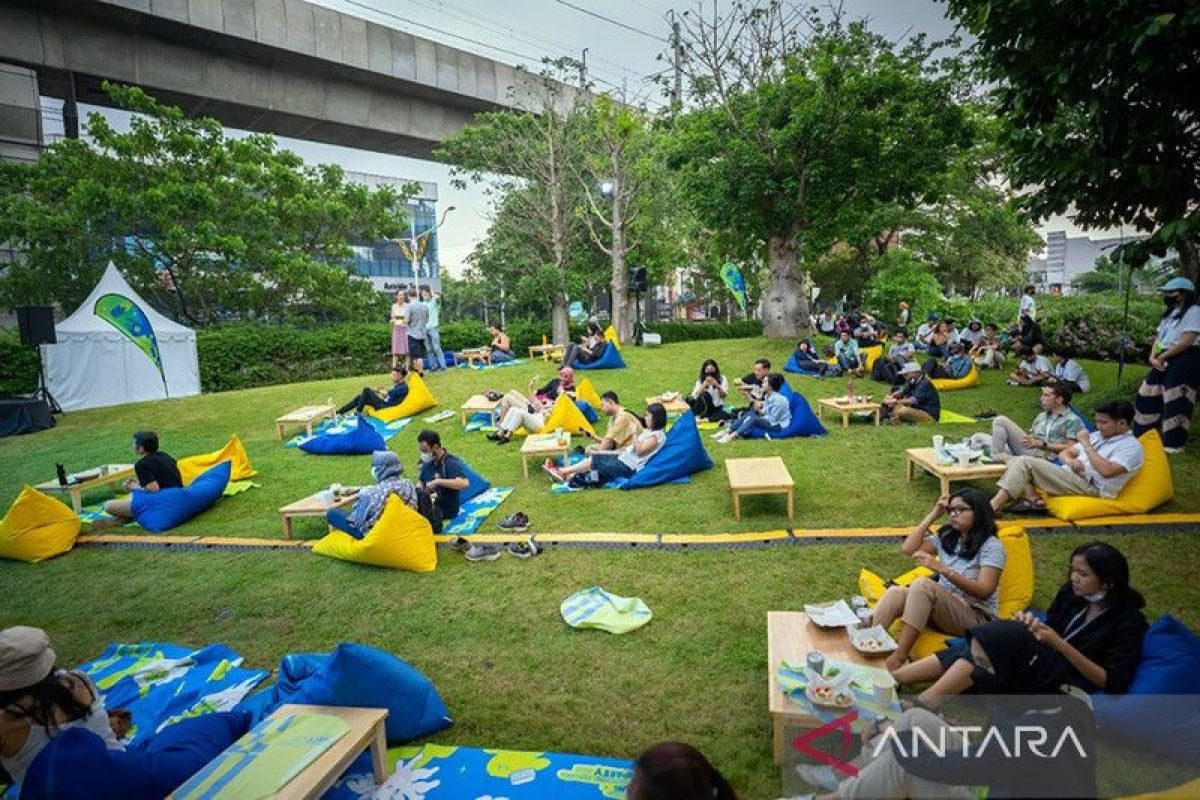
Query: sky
<point x="621" y="52"/>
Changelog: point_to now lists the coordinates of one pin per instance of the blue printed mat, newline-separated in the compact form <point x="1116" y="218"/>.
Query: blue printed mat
<point x="476" y="510"/>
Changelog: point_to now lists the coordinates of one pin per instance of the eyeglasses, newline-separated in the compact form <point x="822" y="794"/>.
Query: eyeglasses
<point x="956" y="510"/>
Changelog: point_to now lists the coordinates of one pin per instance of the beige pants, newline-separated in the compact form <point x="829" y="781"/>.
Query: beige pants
<point x="122" y="507"/>
<point x="1005" y="439"/>
<point x="516" y="418"/>
<point x="882" y="776"/>
<point x="926" y="602"/>
<point x="1027" y="472"/>
<point x="910" y="414"/>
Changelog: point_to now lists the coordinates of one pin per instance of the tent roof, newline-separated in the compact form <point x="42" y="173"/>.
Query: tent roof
<point x="84" y="320"/>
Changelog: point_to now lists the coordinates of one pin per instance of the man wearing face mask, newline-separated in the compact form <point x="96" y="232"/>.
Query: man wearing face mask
<point x="387" y="470"/>
<point x="442" y="475"/>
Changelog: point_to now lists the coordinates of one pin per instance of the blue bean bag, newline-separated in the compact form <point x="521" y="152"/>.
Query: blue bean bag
<point x="793" y="366"/>
<point x="360" y="676"/>
<point x="362" y="439"/>
<point x="586" y="409"/>
<point x="1161" y="712"/>
<point x="76" y="765"/>
<point x="162" y="510"/>
<point x="477" y="484"/>
<point x="682" y="454"/>
<point x="609" y="359"/>
<point x="1088" y="425"/>
<point x="804" y="421"/>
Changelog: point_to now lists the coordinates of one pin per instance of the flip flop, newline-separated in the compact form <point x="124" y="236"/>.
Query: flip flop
<point x="1029" y="507"/>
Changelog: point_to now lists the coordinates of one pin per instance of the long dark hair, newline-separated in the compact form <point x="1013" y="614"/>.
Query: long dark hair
<point x="38" y="703"/>
<point x="1112" y="568"/>
<point x="984" y="527"/>
<point x="677" y="771"/>
<point x="1179" y="309"/>
<point x="716" y="367"/>
<point x="658" y="416"/>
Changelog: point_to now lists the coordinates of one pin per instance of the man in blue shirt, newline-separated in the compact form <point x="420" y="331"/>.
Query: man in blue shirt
<point x="442" y="475"/>
<point x="958" y="365"/>
<point x="916" y="401"/>
<point x="771" y="414"/>
<point x="374" y="398"/>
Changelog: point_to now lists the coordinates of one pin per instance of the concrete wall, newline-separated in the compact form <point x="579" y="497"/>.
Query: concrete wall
<point x="20" y="114"/>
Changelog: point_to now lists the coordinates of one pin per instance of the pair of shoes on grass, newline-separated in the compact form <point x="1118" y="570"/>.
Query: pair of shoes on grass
<point x="490" y="552"/>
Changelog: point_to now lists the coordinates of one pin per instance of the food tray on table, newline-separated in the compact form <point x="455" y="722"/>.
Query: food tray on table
<point x="835" y="614"/>
<point x="873" y="641"/>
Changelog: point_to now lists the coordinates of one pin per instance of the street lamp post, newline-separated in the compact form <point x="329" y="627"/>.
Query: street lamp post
<point x="413" y="243"/>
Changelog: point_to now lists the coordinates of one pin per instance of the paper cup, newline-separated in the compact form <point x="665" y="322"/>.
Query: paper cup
<point x="883" y="690"/>
<point x="938" y="443"/>
<point x="964" y="458"/>
<point x="325" y="496"/>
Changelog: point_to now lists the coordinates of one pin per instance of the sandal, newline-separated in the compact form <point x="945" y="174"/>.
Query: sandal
<point x="1029" y="507"/>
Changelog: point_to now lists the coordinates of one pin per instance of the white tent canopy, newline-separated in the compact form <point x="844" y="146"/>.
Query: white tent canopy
<point x="97" y="363"/>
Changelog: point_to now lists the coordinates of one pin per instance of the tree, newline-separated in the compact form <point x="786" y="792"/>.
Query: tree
<point x="1098" y="117"/>
<point x="795" y="137"/>
<point x="208" y="227"/>
<point x="531" y="157"/>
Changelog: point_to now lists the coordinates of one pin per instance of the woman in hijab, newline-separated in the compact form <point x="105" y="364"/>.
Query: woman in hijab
<point x="387" y="470"/>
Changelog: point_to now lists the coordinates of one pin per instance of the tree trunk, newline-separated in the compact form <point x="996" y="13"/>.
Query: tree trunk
<point x="559" y="319"/>
<point x="785" y="304"/>
<point x="1189" y="260"/>
<point x="621" y="307"/>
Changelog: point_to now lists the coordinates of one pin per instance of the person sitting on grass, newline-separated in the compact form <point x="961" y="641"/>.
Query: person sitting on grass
<point x="516" y="411"/>
<point x="443" y="476"/>
<point x="1091" y="637"/>
<point x="887" y="368"/>
<point x="623" y="425"/>
<point x="500" y="350"/>
<point x="958" y="365"/>
<point x="562" y="383"/>
<point x="971" y="334"/>
<point x="967" y="559"/>
<point x="380" y="398"/>
<point x="808" y="360"/>
<point x="988" y="351"/>
<point x="916" y="400"/>
<point x="770" y="414"/>
<point x="707" y="399"/>
<point x="388" y="473"/>
<point x="1098" y="465"/>
<point x="1067" y="372"/>
<point x="591" y="346"/>
<point x="153" y="471"/>
<point x="604" y="466"/>
<point x="1029" y="336"/>
<point x="751" y="385"/>
<point x="940" y="340"/>
<point x="867" y="333"/>
<point x="1053" y="430"/>
<point x="676" y="771"/>
<point x="849" y="358"/>
<point x="925" y="330"/>
<point x="1032" y="370"/>
<point x="38" y="701"/>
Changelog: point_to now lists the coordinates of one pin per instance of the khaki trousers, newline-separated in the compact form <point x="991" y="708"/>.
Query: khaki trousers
<point x="1026" y="472"/>
<point x="926" y="602"/>
<point x="910" y="414"/>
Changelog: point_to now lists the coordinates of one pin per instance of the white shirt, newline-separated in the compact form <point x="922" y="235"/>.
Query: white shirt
<point x="629" y="456"/>
<point x="398" y="318"/>
<point x="718" y="399"/>
<point x="1172" y="329"/>
<point x="1040" y="364"/>
<point x="970" y="337"/>
<point x="1125" y="450"/>
<point x="1070" y="370"/>
<point x="1029" y="306"/>
<point x="924" y="331"/>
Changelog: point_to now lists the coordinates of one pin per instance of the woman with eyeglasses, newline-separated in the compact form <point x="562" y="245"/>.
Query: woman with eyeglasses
<point x="966" y="558"/>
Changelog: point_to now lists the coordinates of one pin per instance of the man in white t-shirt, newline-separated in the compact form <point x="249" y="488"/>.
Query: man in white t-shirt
<point x="1032" y="370"/>
<point x="924" y="331"/>
<point x="1028" y="306"/>
<point x="1099" y="465"/>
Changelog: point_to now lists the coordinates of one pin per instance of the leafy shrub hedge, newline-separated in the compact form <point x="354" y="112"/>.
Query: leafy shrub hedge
<point x="18" y="365"/>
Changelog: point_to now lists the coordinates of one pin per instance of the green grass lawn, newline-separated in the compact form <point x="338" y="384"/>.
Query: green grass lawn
<point x="513" y="674"/>
<point x="851" y="478"/>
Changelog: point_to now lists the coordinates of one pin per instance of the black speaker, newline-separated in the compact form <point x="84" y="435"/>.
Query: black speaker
<point x="637" y="279"/>
<point x="36" y="324"/>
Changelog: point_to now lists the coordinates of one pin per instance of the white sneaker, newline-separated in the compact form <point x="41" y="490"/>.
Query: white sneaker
<point x="1173" y="450"/>
<point x="819" y="775"/>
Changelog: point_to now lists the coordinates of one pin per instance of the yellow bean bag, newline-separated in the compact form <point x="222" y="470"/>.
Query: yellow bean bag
<point x="610" y="334"/>
<point x="234" y="451"/>
<point x="968" y="381"/>
<point x="401" y="539"/>
<point x="37" y="527"/>
<point x="419" y="398"/>
<point x="869" y="355"/>
<point x="585" y="391"/>
<point x="1146" y="490"/>
<point x="566" y="415"/>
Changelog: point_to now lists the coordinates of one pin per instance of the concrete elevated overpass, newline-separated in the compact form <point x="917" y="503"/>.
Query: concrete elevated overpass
<point x="286" y="67"/>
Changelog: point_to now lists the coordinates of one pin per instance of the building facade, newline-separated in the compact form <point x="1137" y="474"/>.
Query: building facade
<point x="385" y="263"/>
<point x="1068" y="257"/>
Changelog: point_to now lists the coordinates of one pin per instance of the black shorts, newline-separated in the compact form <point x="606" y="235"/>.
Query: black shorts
<point x="416" y="347"/>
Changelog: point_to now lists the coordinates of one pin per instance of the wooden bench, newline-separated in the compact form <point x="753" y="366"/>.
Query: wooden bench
<point x="924" y="458"/>
<point x="303" y="416"/>
<point x="749" y="476"/>
<point x="105" y="475"/>
<point x="845" y="406"/>
<point x="475" y="403"/>
<point x="475" y="354"/>
<point x="548" y="352"/>
<point x="543" y="445"/>
<point x="366" y="732"/>
<point x="312" y="506"/>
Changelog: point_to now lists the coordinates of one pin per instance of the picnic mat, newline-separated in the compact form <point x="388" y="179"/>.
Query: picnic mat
<point x="386" y="429"/>
<point x="439" y="772"/>
<point x="791" y="679"/>
<point x="163" y="683"/>
<point x="514" y="363"/>
<point x="476" y="510"/>
<point x="599" y="609"/>
<point x="479" y="421"/>
<point x="260" y="763"/>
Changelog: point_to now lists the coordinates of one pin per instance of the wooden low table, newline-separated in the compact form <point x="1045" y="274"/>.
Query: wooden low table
<point x="476" y="354"/>
<point x="543" y="445"/>
<point x="476" y="403"/>
<point x="312" y="506"/>
<point x="790" y="637"/>
<point x="846" y="407"/>
<point x="948" y="473"/>
<point x="366" y="733"/>
<point x="304" y="416"/>
<point x="760" y="476"/>
<point x="548" y="352"/>
<point x="110" y="474"/>
<point x="676" y="406"/>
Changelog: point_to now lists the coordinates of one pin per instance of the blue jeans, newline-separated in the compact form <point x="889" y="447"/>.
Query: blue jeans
<point x="752" y="420"/>
<point x="338" y="518"/>
<point x="501" y="357"/>
<point x="433" y="349"/>
<point x="847" y="363"/>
